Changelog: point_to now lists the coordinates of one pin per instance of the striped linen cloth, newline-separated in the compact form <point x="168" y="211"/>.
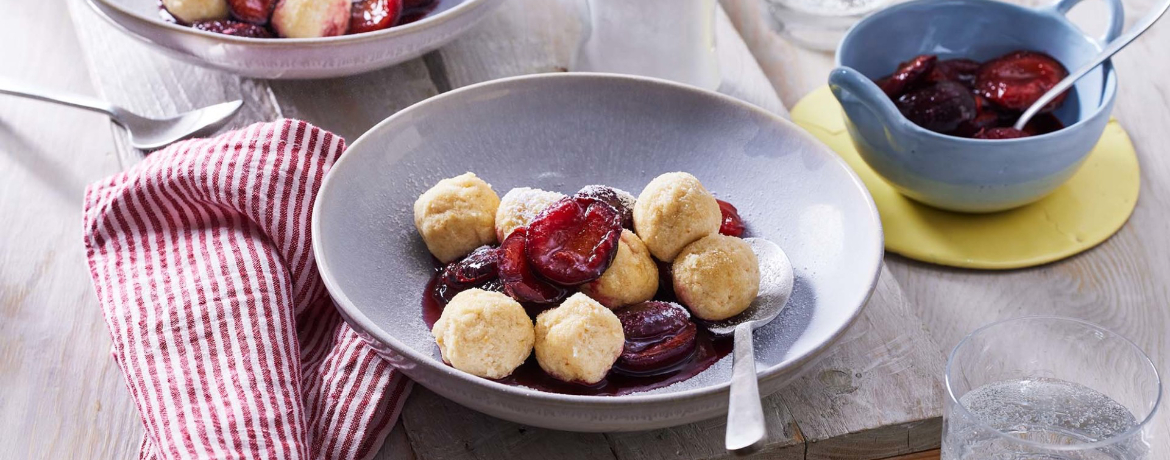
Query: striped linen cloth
<point x="228" y="341"/>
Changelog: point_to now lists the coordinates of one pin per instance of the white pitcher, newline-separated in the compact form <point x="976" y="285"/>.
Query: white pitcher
<point x="670" y="39"/>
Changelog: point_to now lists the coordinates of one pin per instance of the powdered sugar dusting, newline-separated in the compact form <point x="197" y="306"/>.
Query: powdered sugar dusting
<point x="519" y="206"/>
<point x="626" y="198"/>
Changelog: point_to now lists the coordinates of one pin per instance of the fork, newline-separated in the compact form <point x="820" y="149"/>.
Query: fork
<point x="145" y="133"/>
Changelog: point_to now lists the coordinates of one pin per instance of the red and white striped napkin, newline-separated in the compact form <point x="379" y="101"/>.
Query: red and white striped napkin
<point x="229" y="343"/>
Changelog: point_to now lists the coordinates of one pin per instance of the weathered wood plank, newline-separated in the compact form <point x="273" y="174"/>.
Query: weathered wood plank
<point x="61" y="396"/>
<point x="878" y="393"/>
<point x="519" y="38"/>
<point x="742" y="76"/>
<point x="928" y="455"/>
<point x="350" y="106"/>
<point x="441" y="429"/>
<point x="705" y="439"/>
<point x="397" y="445"/>
<point x="791" y="69"/>
<point x="128" y="74"/>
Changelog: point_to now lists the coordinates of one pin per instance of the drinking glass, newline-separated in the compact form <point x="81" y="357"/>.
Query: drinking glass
<point x="669" y="39"/>
<point x="1048" y="388"/>
<point x="820" y="24"/>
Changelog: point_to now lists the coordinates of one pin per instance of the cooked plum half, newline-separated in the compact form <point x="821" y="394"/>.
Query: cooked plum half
<point x="941" y="107"/>
<point x="659" y="336"/>
<point x="371" y="15"/>
<point x="908" y="75"/>
<point x="574" y="240"/>
<point x="1017" y="80"/>
<point x="519" y="280"/>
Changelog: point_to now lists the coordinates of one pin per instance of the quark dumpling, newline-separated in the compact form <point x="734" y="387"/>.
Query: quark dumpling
<point x="631" y="278"/>
<point x="190" y="11"/>
<point x="579" y="340"/>
<point x="456" y="216"/>
<point x="519" y="206"/>
<point x="311" y="18"/>
<point x="717" y="277"/>
<point x="484" y="333"/>
<point x="673" y="211"/>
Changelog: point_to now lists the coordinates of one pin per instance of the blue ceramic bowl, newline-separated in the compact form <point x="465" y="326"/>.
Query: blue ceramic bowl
<point x="954" y="173"/>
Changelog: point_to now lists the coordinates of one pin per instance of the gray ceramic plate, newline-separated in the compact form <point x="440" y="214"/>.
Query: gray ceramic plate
<point x="564" y="131"/>
<point x="294" y="58"/>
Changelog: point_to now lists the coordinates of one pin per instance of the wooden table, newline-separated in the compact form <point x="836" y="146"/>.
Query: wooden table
<point x="877" y="394"/>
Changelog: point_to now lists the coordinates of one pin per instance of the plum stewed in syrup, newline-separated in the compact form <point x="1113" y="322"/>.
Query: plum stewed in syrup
<point x="962" y="97"/>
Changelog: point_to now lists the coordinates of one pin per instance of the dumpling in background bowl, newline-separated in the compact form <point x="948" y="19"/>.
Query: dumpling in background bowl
<point x="306" y="56"/>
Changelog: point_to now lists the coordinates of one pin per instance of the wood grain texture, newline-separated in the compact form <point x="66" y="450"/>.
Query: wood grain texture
<point x="878" y="392"/>
<point x="439" y="428"/>
<point x="396" y="446"/>
<point x="927" y="455"/>
<point x="61" y="396"/>
<point x="705" y="439"/>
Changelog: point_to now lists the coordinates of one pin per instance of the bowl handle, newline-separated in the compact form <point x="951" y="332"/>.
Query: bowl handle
<point x="1116" y="16"/>
<point x="857" y="92"/>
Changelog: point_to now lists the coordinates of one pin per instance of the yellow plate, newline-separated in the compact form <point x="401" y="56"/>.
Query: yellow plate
<point x="1082" y="213"/>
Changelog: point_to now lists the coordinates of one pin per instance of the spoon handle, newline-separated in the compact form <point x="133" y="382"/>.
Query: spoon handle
<point x="1112" y="48"/>
<point x="75" y="100"/>
<point x="745" y="415"/>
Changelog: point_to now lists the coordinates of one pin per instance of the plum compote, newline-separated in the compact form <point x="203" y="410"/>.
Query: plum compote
<point x="572" y="241"/>
<point x="962" y="97"/>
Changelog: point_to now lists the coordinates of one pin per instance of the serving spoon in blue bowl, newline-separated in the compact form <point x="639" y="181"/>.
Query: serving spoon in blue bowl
<point x="1112" y="48"/>
<point x="962" y="174"/>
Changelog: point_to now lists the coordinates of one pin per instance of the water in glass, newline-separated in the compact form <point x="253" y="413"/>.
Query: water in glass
<point x="1046" y="411"/>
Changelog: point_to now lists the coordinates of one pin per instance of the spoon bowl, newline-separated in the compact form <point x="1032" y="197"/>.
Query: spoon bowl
<point x="149" y="134"/>
<point x="145" y="133"/>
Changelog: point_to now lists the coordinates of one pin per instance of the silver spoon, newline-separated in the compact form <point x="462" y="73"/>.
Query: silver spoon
<point x="745" y="415"/>
<point x="145" y="133"/>
<point x="1114" y="46"/>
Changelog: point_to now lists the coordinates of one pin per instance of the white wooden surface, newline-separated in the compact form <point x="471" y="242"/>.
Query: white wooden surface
<point x="877" y="395"/>
<point x="60" y="394"/>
